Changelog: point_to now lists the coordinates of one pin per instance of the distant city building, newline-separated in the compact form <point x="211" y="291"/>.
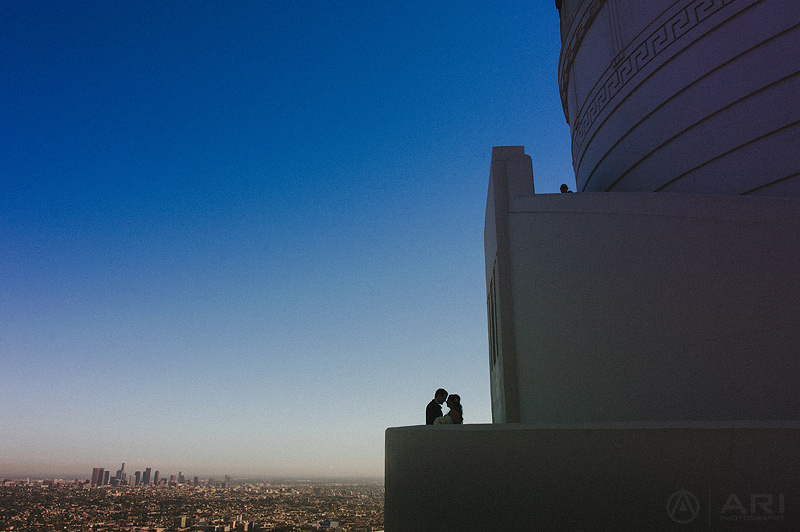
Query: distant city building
<point x="155" y="477"/>
<point x="196" y="481"/>
<point x="180" y="477"/>
<point x="106" y="477"/>
<point x="146" y="477"/>
<point x="138" y="478"/>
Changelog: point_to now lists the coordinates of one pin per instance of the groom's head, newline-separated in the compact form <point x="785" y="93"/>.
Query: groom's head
<point x="440" y="395"/>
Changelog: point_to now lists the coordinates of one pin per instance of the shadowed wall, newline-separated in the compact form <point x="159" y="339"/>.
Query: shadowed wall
<point x="642" y="307"/>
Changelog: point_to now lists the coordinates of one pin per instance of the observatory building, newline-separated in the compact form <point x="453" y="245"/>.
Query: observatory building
<point x="644" y="332"/>
<point x="687" y="96"/>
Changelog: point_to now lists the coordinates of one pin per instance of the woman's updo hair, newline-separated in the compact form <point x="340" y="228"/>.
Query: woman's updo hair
<point x="456" y="405"/>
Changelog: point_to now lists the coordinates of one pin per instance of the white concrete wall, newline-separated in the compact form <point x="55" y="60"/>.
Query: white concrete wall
<point x="632" y="307"/>
<point x="511" y="174"/>
<point x="694" y="96"/>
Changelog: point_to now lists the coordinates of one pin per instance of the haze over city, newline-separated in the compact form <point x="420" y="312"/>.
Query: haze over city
<point x="247" y="237"/>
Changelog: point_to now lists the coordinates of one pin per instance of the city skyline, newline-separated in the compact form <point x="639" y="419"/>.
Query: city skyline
<point x="247" y="238"/>
<point x="102" y="477"/>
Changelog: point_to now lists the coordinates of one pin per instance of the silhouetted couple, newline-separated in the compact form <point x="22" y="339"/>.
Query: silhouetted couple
<point x="433" y="413"/>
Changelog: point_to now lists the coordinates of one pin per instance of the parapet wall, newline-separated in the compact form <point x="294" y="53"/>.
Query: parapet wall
<point x="591" y="478"/>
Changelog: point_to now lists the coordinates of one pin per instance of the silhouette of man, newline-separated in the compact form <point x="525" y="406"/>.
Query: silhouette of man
<point x="434" y="408"/>
<point x="565" y="189"/>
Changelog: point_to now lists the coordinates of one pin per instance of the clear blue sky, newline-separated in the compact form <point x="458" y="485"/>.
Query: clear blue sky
<point x="247" y="237"/>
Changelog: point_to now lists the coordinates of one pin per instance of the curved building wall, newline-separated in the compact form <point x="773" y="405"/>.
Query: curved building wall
<point x="685" y="96"/>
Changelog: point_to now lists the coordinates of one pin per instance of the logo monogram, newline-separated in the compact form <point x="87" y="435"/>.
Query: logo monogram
<point x="683" y="507"/>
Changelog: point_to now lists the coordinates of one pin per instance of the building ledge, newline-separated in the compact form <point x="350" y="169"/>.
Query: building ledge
<point x="600" y="476"/>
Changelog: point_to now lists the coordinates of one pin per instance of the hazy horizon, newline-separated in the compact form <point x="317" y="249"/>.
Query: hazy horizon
<point x="236" y="479"/>
<point x="248" y="236"/>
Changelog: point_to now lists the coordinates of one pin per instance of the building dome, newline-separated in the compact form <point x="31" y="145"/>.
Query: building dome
<point x="686" y="96"/>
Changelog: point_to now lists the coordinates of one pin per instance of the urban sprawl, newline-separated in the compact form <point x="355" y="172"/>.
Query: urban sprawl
<point x="139" y="503"/>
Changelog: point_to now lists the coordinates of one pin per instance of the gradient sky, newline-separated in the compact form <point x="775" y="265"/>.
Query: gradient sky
<point x="247" y="237"/>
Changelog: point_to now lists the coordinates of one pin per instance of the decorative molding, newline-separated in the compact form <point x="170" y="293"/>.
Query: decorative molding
<point x="570" y="47"/>
<point x="659" y="36"/>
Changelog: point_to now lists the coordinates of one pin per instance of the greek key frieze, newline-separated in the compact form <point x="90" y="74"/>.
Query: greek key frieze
<point x="685" y="21"/>
<point x="635" y="57"/>
<point x="706" y="8"/>
<point x="642" y="55"/>
<point x="613" y="83"/>
<point x="625" y="71"/>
